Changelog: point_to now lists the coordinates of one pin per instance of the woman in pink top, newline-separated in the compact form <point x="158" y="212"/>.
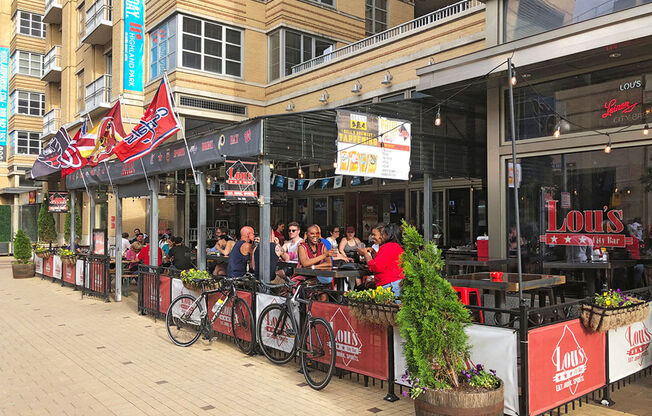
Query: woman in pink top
<point x="386" y="264"/>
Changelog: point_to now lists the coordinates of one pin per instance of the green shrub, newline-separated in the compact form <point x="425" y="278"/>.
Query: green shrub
<point x="22" y="248"/>
<point x="431" y="318"/>
<point x="46" y="229"/>
<point x="78" y="223"/>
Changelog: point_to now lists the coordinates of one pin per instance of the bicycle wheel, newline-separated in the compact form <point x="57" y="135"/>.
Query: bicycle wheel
<point x="242" y="324"/>
<point x="276" y="331"/>
<point x="318" y="353"/>
<point x="184" y="320"/>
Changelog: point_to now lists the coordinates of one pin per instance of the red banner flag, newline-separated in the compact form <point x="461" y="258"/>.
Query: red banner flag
<point x="71" y="159"/>
<point x="157" y="124"/>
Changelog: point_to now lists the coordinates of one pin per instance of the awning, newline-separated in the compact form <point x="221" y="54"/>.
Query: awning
<point x="18" y="189"/>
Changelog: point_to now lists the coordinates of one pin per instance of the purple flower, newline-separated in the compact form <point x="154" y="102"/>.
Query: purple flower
<point x="405" y="393"/>
<point x="479" y="367"/>
<point x="493" y="372"/>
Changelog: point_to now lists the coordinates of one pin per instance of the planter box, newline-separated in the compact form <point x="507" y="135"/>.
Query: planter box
<point x="22" y="271"/>
<point x="600" y="319"/>
<point x="374" y="313"/>
<point x="460" y="403"/>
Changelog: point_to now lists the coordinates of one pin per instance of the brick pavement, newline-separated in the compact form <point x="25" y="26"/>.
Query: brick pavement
<point x="63" y="355"/>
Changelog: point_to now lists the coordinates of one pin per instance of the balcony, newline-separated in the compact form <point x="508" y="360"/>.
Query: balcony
<point x="422" y="23"/>
<point x="99" y="23"/>
<point x="52" y="12"/>
<point x="52" y="65"/>
<point x="51" y="123"/>
<point x="98" y="94"/>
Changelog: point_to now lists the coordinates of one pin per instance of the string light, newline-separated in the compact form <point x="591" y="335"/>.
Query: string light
<point x="335" y="164"/>
<point x="271" y="165"/>
<point x="557" y="132"/>
<point x="513" y="80"/>
<point x="607" y="148"/>
<point x="646" y="130"/>
<point x="438" y="118"/>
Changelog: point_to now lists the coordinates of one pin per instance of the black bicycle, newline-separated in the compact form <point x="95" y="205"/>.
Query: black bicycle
<point x="187" y="317"/>
<point x="277" y="329"/>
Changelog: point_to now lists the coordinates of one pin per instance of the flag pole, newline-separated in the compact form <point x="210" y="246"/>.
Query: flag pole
<point x="149" y="188"/>
<point x="183" y="130"/>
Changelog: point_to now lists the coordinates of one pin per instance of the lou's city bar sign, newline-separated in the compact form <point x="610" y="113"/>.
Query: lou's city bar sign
<point x="601" y="228"/>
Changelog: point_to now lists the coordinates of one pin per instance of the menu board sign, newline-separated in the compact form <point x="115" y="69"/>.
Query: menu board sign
<point x="58" y="201"/>
<point x="373" y="146"/>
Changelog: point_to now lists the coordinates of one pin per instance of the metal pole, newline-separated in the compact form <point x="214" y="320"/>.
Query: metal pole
<point x="186" y="209"/>
<point x="91" y="196"/>
<point x="153" y="229"/>
<point x="201" y="221"/>
<point x="265" y="204"/>
<point x="516" y="184"/>
<point x="118" y="246"/>
<point x="73" y="198"/>
<point x="427" y="207"/>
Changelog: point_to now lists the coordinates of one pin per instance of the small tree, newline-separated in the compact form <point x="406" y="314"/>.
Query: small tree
<point x="22" y="248"/>
<point x="46" y="229"/>
<point x="431" y="318"/>
<point x="66" y="224"/>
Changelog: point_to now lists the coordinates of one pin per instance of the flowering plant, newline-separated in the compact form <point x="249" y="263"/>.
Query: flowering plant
<point x="66" y="253"/>
<point x="612" y="299"/>
<point x="477" y="376"/>
<point x="194" y="274"/>
<point x="416" y="388"/>
<point x="41" y="249"/>
<point x="377" y="295"/>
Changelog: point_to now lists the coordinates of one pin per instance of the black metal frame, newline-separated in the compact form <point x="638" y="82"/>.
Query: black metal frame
<point x="150" y="276"/>
<point x="97" y="266"/>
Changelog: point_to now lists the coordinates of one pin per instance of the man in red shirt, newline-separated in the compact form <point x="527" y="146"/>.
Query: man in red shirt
<point x="143" y="255"/>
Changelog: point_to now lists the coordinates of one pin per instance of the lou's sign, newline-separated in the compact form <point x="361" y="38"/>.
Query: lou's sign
<point x="585" y="228"/>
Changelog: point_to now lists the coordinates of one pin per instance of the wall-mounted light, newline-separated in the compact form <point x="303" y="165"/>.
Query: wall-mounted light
<point x="324" y="97"/>
<point x="290" y="106"/>
<point x="387" y="80"/>
<point x="357" y="87"/>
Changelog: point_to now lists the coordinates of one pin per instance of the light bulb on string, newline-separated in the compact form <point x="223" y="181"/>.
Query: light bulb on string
<point x="607" y="148"/>
<point x="513" y="80"/>
<point x="646" y="130"/>
<point x="438" y="118"/>
<point x="557" y="132"/>
<point x="271" y="165"/>
<point x="335" y="164"/>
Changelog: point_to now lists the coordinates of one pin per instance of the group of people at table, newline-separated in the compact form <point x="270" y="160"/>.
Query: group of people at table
<point x="311" y="251"/>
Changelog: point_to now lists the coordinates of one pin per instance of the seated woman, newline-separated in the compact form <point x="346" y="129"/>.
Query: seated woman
<point x="313" y="254"/>
<point x="385" y="265"/>
<point x="132" y="256"/>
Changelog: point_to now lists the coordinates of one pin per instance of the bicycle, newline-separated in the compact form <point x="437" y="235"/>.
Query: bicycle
<point x="187" y="317"/>
<point x="276" y="330"/>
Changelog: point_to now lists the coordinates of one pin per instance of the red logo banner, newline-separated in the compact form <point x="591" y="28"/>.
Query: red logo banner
<point x="223" y="322"/>
<point x="68" y="274"/>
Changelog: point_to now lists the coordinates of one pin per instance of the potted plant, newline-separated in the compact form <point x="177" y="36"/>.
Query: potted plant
<point x="67" y="256"/>
<point x="431" y="321"/>
<point x="23" y="266"/>
<point x="42" y="252"/>
<point x="197" y="279"/>
<point x="46" y="228"/>
<point x="376" y="306"/>
<point x="612" y="309"/>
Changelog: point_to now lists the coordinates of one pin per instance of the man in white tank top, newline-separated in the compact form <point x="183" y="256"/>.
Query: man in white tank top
<point x="292" y="244"/>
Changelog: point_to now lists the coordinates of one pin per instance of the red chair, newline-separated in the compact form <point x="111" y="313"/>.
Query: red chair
<point x="467" y="295"/>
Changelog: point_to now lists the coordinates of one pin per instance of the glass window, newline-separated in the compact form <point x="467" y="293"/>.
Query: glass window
<point x="26" y="63"/>
<point x="163" y="40"/>
<point x="211" y="47"/>
<point x="81" y="21"/>
<point x="30" y="24"/>
<point x="612" y="98"/>
<point x="300" y="48"/>
<point x="81" y="93"/>
<point x="528" y="17"/>
<point x="274" y="55"/>
<point x="25" y="142"/>
<point x="28" y="103"/>
<point x="375" y="16"/>
<point x="330" y="3"/>
<point x="575" y="203"/>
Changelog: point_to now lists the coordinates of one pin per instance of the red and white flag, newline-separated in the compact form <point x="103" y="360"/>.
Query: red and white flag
<point x="71" y="159"/>
<point x="157" y="124"/>
<point x="106" y="135"/>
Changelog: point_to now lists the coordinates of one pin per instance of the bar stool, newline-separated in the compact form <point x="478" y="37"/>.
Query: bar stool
<point x="466" y="295"/>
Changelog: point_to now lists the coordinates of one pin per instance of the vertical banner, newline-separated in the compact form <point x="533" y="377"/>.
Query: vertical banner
<point x="48" y="266"/>
<point x="38" y="264"/>
<point x="241" y="183"/>
<point x="134" y="45"/>
<point x="565" y="361"/>
<point x="223" y="322"/>
<point x="483" y="351"/>
<point x="68" y="273"/>
<point x="629" y="349"/>
<point x="56" y="267"/>
<point x="79" y="273"/>
<point x="4" y="101"/>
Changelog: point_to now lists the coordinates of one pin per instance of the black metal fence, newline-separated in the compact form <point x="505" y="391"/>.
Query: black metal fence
<point x="97" y="279"/>
<point x="149" y="283"/>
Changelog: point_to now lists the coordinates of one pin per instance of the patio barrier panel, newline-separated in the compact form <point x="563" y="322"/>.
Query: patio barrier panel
<point x="97" y="280"/>
<point x="48" y="267"/>
<point x="81" y="269"/>
<point x="149" y="282"/>
<point x="68" y="273"/>
<point x="38" y="265"/>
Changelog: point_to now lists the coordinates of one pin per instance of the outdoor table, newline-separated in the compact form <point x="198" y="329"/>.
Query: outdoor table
<point x="335" y="273"/>
<point x="509" y="284"/>
<point x="607" y="266"/>
<point x="217" y="258"/>
<point x="495" y="264"/>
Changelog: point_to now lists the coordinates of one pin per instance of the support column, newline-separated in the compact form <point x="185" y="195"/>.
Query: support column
<point x="73" y="199"/>
<point x="265" y="204"/>
<point x="496" y="194"/>
<point x="118" y="246"/>
<point x="427" y="207"/>
<point x="186" y="210"/>
<point x="153" y="226"/>
<point x="201" y="221"/>
<point x="91" y="198"/>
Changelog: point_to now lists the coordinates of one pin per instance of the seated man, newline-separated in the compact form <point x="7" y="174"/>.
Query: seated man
<point x="179" y="255"/>
<point x="240" y="255"/>
<point x="275" y="253"/>
<point x="222" y="246"/>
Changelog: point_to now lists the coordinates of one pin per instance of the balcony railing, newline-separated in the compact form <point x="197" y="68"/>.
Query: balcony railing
<point x="52" y="11"/>
<point x="51" y="122"/>
<point x="52" y="65"/>
<point x="98" y="93"/>
<point x="412" y="26"/>
<point x="99" y="22"/>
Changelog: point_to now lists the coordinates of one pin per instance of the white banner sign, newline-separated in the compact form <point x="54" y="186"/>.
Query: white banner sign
<point x="57" y="266"/>
<point x="484" y="340"/>
<point x="79" y="273"/>
<point x="282" y="343"/>
<point x="38" y="264"/>
<point x="179" y="289"/>
<point x="372" y="146"/>
<point x="629" y="349"/>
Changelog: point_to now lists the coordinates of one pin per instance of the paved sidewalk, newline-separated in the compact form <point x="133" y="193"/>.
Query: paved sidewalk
<point x="63" y="355"/>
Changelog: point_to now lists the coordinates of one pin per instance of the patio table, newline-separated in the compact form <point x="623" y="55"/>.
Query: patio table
<point x="337" y="274"/>
<point x="606" y="266"/>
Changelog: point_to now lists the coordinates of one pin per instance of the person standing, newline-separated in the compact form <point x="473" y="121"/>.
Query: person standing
<point x="240" y="255"/>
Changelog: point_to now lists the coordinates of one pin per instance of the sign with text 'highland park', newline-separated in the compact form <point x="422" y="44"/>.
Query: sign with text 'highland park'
<point x="134" y="45"/>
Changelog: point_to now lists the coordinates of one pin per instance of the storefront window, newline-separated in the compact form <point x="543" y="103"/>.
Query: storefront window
<point x="528" y="17"/>
<point x="612" y="98"/>
<point x="575" y="203"/>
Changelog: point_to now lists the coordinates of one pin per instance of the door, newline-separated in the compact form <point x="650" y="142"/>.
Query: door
<point x="458" y="217"/>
